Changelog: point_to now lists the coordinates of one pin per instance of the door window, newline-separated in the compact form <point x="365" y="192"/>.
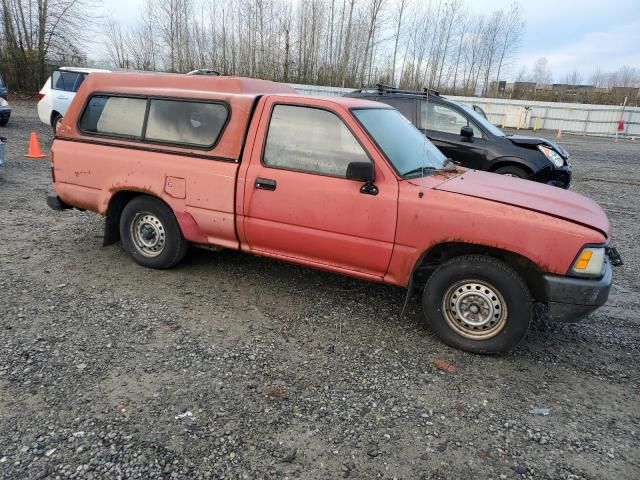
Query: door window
<point x="440" y="118"/>
<point x="310" y="140"/>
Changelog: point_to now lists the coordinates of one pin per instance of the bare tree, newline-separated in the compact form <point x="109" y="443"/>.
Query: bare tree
<point x="523" y="74"/>
<point x="541" y="73"/>
<point x="511" y="36"/>
<point x="116" y="44"/>
<point x="598" y="78"/>
<point x="625" y="77"/>
<point x="573" y="78"/>
<point x="35" y="32"/>
<point x="373" y="11"/>
<point x="492" y="42"/>
<point x="462" y="27"/>
<point x="400" y="9"/>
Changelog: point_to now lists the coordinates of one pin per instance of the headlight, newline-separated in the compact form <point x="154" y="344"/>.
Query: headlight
<point x="590" y="262"/>
<point x="3" y="103"/>
<point x="552" y="155"/>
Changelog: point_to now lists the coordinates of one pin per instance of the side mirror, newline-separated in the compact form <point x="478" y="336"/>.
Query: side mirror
<point x="363" y="172"/>
<point x="466" y="133"/>
<point x="360" y="171"/>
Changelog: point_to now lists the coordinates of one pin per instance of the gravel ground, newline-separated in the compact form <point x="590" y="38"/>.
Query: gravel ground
<point x="231" y="366"/>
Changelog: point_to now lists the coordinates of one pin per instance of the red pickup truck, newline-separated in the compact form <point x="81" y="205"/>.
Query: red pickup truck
<point x="340" y="184"/>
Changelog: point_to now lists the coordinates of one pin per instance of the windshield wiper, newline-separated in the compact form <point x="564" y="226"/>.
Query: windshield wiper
<point x="420" y="170"/>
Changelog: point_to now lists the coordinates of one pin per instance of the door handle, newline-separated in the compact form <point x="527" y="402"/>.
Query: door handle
<point x="265" y="184"/>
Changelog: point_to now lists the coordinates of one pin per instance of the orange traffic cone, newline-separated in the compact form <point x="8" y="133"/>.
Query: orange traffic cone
<point x="34" y="147"/>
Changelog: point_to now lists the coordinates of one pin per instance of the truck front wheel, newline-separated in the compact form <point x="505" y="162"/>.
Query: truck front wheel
<point x="150" y="233"/>
<point x="478" y="304"/>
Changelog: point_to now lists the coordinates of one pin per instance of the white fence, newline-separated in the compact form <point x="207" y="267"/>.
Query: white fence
<point x="569" y="117"/>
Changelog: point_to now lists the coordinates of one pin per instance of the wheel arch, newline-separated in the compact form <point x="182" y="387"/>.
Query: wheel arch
<point x="52" y="117"/>
<point x="530" y="272"/>
<point x="116" y="205"/>
<point x="188" y="226"/>
<point x="510" y="162"/>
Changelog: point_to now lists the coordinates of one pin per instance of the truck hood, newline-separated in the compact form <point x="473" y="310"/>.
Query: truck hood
<point x="525" y="140"/>
<point x="533" y="196"/>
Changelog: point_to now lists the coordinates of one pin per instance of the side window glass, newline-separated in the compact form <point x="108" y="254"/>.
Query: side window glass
<point x="405" y="107"/>
<point x="190" y="123"/>
<point x="78" y="81"/>
<point x="116" y="116"/>
<point x="441" y="118"/>
<point x="476" y="131"/>
<point x="57" y="83"/>
<point x="310" y="140"/>
<point x="66" y="81"/>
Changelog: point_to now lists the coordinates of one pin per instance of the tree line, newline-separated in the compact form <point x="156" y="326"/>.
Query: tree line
<point x="410" y="43"/>
<point x="600" y="87"/>
<point x="540" y="73"/>
<point x="440" y="44"/>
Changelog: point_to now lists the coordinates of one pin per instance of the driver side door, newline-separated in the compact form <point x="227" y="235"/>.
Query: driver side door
<point x="442" y="124"/>
<point x="299" y="204"/>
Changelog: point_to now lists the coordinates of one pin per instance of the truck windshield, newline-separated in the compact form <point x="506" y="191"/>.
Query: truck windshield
<point x="410" y="152"/>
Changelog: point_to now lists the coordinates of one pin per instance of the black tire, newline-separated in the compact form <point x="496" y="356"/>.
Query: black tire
<point x="54" y="122"/>
<point x="513" y="171"/>
<point x="3" y="123"/>
<point x="503" y="302"/>
<point x="154" y="219"/>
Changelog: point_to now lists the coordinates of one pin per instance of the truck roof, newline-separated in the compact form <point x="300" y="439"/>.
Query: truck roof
<point x="237" y="92"/>
<point x="179" y="85"/>
<point x="201" y="86"/>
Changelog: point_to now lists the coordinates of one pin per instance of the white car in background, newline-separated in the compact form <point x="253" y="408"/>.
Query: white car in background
<point x="58" y="91"/>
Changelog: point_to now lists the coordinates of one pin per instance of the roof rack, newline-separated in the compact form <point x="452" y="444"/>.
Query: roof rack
<point x="382" y="88"/>
<point x="204" y="71"/>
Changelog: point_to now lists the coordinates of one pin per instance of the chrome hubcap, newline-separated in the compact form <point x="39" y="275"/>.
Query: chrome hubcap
<point x="475" y="309"/>
<point x="148" y="234"/>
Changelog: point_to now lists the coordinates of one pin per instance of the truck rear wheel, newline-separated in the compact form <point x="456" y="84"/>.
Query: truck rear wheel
<point x="478" y="304"/>
<point x="150" y="233"/>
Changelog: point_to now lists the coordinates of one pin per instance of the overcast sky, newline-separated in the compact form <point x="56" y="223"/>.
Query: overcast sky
<point x="573" y="35"/>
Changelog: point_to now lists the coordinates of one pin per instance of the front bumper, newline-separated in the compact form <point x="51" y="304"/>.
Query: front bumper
<point x="555" y="176"/>
<point x="570" y="299"/>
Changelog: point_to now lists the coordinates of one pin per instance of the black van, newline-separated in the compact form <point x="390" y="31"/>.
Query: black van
<point x="466" y="136"/>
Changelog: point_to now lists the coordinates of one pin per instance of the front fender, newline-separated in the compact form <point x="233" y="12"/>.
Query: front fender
<point x="548" y="242"/>
<point x="530" y="165"/>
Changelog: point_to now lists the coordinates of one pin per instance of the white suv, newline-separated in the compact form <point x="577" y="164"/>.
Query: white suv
<point x="58" y="91"/>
